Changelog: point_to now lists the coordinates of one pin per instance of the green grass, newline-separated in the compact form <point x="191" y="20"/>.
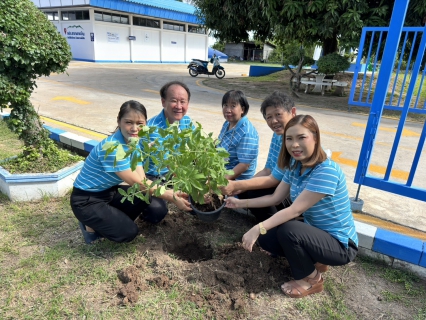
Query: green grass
<point x="53" y="158"/>
<point x="10" y="145"/>
<point x="47" y="272"/>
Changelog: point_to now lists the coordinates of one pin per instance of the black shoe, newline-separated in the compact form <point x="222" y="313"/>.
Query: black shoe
<point x="89" y="237"/>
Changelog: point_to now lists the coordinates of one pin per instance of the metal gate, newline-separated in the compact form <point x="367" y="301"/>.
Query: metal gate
<point x="393" y="79"/>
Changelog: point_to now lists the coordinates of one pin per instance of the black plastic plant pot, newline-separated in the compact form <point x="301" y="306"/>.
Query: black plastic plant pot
<point x="209" y="216"/>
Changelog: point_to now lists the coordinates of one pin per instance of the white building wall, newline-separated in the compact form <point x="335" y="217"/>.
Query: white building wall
<point x="146" y="47"/>
<point x="77" y="34"/>
<point x="196" y="47"/>
<point x="112" y="42"/>
<point x="104" y="41"/>
<point x="173" y="49"/>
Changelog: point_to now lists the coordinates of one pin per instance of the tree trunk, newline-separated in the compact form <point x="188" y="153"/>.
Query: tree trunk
<point x="329" y="45"/>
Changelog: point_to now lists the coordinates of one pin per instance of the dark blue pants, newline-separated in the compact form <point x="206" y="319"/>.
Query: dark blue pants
<point x="107" y="215"/>
<point x="303" y="245"/>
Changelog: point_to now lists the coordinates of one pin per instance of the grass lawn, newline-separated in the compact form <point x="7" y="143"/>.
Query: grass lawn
<point x="47" y="272"/>
<point x="10" y="145"/>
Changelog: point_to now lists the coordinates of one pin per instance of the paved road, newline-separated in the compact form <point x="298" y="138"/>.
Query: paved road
<point x="91" y="94"/>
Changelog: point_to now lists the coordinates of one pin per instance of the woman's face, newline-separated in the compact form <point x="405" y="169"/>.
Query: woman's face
<point x="277" y="118"/>
<point x="233" y="112"/>
<point x="131" y="123"/>
<point x="300" y="142"/>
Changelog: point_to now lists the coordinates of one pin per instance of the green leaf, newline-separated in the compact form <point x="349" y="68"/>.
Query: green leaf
<point x="120" y="155"/>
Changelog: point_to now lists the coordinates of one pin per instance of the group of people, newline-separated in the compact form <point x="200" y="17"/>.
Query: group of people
<point x="300" y="198"/>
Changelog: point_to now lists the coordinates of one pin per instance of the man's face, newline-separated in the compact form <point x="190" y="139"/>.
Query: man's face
<point x="277" y="118"/>
<point x="176" y="103"/>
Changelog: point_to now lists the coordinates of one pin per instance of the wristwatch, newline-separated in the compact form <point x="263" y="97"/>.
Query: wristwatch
<point x="262" y="228"/>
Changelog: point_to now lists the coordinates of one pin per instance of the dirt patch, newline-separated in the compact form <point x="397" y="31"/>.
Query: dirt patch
<point x="214" y="273"/>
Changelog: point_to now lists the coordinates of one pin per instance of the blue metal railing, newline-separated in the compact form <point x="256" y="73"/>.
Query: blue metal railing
<point x="394" y="88"/>
<point x="371" y="50"/>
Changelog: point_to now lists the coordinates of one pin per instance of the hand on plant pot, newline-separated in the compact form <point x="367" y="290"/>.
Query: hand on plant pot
<point x="180" y="199"/>
<point x="232" y="202"/>
<point x="250" y="237"/>
<point x="228" y="190"/>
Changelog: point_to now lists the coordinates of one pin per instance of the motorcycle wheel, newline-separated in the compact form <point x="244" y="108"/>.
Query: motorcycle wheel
<point x="220" y="73"/>
<point x="193" y="73"/>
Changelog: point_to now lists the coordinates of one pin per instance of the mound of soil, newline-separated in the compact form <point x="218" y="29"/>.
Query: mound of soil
<point x="206" y="262"/>
<point x="185" y="250"/>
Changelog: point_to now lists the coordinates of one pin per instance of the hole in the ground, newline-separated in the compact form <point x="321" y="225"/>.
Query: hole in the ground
<point x="192" y="252"/>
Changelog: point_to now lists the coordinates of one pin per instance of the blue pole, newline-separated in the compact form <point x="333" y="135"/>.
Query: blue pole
<point x="394" y="34"/>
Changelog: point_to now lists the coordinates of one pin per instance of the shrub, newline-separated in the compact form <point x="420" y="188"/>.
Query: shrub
<point x="332" y="63"/>
<point x="196" y="165"/>
<point x="30" y="47"/>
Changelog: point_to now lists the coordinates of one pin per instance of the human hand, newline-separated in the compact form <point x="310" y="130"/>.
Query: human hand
<point x="229" y="189"/>
<point x="237" y="192"/>
<point x="182" y="195"/>
<point x="250" y="237"/>
<point x="232" y="202"/>
<point x="181" y="203"/>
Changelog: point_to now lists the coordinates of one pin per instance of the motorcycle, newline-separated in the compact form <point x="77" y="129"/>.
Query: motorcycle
<point x="197" y="66"/>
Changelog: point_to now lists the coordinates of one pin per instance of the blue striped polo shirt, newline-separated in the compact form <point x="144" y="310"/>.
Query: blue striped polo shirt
<point x="159" y="121"/>
<point x="333" y="212"/>
<point x="274" y="153"/>
<point x="242" y="143"/>
<point x="98" y="172"/>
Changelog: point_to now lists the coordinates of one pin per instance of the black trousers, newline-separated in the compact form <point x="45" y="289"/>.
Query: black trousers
<point x="107" y="215"/>
<point x="262" y="214"/>
<point x="303" y="245"/>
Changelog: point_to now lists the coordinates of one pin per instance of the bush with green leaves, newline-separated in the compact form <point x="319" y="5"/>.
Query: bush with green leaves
<point x="196" y="165"/>
<point x="30" y="47"/>
<point x="332" y="63"/>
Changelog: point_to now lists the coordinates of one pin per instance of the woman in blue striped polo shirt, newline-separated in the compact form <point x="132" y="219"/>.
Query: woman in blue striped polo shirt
<point x="95" y="199"/>
<point x="238" y="136"/>
<point x="317" y="187"/>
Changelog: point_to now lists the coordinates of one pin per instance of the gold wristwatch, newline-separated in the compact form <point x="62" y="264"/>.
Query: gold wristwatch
<point x="262" y="228"/>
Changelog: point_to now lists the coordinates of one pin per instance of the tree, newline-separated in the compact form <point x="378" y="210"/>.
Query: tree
<point x="30" y="47"/>
<point x="329" y="22"/>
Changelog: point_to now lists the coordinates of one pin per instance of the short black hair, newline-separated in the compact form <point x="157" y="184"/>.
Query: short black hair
<point x="236" y="96"/>
<point x="277" y="99"/>
<point x="165" y="88"/>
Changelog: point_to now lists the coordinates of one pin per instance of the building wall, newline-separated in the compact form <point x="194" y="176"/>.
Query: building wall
<point x="111" y="42"/>
<point x="267" y="50"/>
<point x="234" y="49"/>
<point x="196" y="47"/>
<point x="77" y="34"/>
<point x="146" y="47"/>
<point x="99" y="41"/>
<point x="173" y="46"/>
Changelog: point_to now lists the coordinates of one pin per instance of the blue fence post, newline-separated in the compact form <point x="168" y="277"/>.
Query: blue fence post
<point x="394" y="34"/>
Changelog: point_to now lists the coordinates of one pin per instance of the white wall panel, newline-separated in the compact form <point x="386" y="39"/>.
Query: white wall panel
<point x="111" y="42"/>
<point x="196" y="47"/>
<point x="146" y="47"/>
<point x="173" y="47"/>
<point x="77" y="34"/>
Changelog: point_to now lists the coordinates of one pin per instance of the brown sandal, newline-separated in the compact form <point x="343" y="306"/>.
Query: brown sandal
<point x="296" y="291"/>
<point x="321" y="267"/>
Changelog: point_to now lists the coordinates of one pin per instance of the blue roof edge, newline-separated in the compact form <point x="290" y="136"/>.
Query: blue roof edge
<point x="146" y="10"/>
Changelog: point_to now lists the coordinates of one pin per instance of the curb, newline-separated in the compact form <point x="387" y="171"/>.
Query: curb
<point x="394" y="249"/>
